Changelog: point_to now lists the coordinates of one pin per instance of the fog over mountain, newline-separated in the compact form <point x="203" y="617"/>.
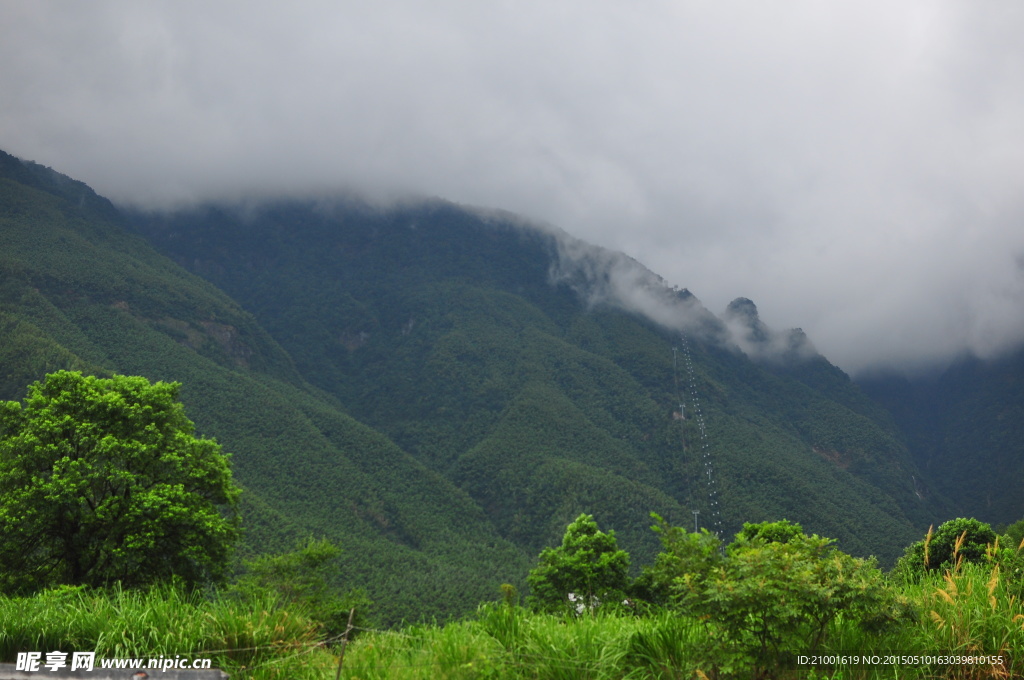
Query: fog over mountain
<point x="855" y="170"/>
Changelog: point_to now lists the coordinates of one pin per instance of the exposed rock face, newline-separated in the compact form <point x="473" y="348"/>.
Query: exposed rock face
<point x="742" y="314"/>
<point x="227" y="337"/>
<point x="761" y="343"/>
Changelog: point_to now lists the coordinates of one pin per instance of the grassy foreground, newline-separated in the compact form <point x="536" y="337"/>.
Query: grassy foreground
<point x="967" y="613"/>
<point x="252" y="639"/>
<point x="970" y="611"/>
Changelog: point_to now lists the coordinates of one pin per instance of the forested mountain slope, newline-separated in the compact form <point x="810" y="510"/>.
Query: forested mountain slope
<point x="507" y="359"/>
<point x="77" y="291"/>
<point x="965" y="429"/>
<point x="442" y="390"/>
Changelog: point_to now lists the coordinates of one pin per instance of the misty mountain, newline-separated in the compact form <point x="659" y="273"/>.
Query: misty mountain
<point x="442" y="389"/>
<point x="538" y="373"/>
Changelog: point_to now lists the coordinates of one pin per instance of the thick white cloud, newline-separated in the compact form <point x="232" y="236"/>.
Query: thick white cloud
<point x="855" y="168"/>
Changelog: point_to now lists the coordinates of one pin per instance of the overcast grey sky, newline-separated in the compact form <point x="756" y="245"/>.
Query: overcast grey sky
<point x="855" y="168"/>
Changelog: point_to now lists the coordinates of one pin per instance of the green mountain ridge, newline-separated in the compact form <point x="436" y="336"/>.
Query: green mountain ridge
<point x="506" y="358"/>
<point x="441" y="390"/>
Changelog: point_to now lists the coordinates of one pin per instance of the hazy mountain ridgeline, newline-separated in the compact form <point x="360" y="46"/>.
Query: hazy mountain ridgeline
<point x="78" y="291"/>
<point x="538" y="374"/>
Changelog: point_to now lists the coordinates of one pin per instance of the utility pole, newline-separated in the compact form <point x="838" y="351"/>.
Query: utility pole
<point x="695" y="513"/>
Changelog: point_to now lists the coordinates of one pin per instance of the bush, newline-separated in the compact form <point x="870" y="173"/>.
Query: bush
<point x="303" y="580"/>
<point x="775" y="594"/>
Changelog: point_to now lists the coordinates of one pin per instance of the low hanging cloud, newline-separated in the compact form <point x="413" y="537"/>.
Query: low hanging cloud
<point x="608" y="278"/>
<point x="855" y="169"/>
<point x="605" y="277"/>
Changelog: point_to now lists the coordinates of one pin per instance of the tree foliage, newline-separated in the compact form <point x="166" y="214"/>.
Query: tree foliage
<point x="782" y="531"/>
<point x="679" y="571"/>
<point x="1014" y="534"/>
<point x="964" y="539"/>
<point x="778" y="599"/>
<point x="588" y="566"/>
<point x="775" y="593"/>
<point x="103" y="480"/>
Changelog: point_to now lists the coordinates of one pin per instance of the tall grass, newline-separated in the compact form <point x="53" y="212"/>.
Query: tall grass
<point x="456" y="651"/>
<point x="668" y="646"/>
<point x="511" y="642"/>
<point x="969" y="610"/>
<point x="972" y="609"/>
<point x="253" y="638"/>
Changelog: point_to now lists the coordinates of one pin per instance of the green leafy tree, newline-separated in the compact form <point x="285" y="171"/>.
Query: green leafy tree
<point x="678" y="573"/>
<point x="103" y="481"/>
<point x="958" y="540"/>
<point x="586" y="570"/>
